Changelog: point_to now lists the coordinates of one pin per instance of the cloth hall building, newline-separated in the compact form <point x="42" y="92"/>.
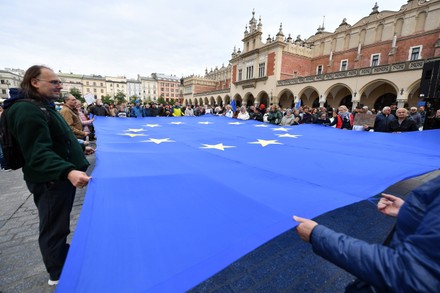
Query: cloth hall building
<point x="377" y="61"/>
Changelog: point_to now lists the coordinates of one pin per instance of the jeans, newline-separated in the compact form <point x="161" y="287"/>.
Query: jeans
<point x="54" y="202"/>
<point x="2" y="160"/>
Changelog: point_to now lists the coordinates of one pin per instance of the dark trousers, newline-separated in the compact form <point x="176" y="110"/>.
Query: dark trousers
<point x="54" y="202"/>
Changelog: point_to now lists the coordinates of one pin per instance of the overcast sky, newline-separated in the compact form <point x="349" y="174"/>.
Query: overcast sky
<point x="130" y="37"/>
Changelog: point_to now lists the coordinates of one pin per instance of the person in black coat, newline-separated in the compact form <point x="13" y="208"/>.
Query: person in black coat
<point x="403" y="123"/>
<point x="433" y="122"/>
<point x="383" y="120"/>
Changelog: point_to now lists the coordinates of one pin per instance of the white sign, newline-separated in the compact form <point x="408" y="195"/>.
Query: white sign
<point x="89" y="98"/>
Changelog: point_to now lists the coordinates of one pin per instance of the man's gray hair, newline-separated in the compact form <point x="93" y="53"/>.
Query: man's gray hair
<point x="67" y="96"/>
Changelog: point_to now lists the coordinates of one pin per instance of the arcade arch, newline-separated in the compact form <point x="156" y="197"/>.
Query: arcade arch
<point x="413" y="92"/>
<point x="249" y="99"/>
<point x="286" y="99"/>
<point x="227" y="100"/>
<point x="308" y="95"/>
<point x="339" y="94"/>
<point x="263" y="98"/>
<point x="378" y="94"/>
<point x="238" y="100"/>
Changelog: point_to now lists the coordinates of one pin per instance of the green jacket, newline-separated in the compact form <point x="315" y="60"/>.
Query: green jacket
<point x="275" y="117"/>
<point x="49" y="148"/>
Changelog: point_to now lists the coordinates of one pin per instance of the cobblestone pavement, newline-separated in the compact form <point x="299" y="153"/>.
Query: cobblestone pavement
<point x="21" y="265"/>
<point x="284" y="264"/>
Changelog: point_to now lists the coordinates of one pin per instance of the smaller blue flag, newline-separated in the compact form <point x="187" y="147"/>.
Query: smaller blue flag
<point x="298" y="104"/>
<point x="234" y="106"/>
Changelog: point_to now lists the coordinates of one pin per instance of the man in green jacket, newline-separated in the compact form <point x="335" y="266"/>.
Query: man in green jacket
<point x="54" y="161"/>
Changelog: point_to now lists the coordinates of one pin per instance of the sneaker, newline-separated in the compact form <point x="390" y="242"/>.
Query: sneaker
<point x="52" y="283"/>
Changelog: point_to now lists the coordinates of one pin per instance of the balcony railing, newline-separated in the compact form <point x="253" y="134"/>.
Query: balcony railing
<point x="217" y="92"/>
<point x="410" y="65"/>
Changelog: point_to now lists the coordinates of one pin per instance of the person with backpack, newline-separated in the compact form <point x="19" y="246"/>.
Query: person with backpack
<point x="3" y="166"/>
<point x="54" y="163"/>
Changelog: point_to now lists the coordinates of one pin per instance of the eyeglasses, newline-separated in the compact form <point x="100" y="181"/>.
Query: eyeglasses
<point x="54" y="82"/>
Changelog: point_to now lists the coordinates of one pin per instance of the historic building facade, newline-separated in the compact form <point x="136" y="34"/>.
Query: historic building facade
<point x="9" y="78"/>
<point x="148" y="88"/>
<point x="168" y="86"/>
<point x="374" y="62"/>
<point x="71" y="81"/>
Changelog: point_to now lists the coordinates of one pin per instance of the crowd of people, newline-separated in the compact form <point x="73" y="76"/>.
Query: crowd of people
<point x="79" y="116"/>
<point x="388" y="119"/>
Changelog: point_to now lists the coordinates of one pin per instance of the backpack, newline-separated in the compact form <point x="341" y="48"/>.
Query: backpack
<point x="12" y="154"/>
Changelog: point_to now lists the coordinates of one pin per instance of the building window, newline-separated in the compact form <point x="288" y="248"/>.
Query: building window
<point x="3" y="92"/>
<point x="375" y="58"/>
<point x="319" y="70"/>
<point x="88" y="90"/>
<point x="240" y="74"/>
<point x="249" y="72"/>
<point x="261" y="69"/>
<point x="102" y="84"/>
<point x="94" y="83"/>
<point x="87" y="83"/>
<point x="415" y="53"/>
<point x="117" y="85"/>
<point x="344" y="65"/>
<point x="102" y="91"/>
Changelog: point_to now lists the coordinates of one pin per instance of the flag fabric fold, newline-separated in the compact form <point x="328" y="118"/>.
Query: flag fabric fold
<point x="233" y="105"/>
<point x="175" y="200"/>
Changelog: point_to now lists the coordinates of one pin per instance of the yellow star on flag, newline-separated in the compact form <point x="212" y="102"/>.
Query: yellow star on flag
<point x="289" y="135"/>
<point x="260" y="125"/>
<point x="177" y="123"/>
<point x="135" y="129"/>
<point x="235" y="123"/>
<point x="207" y="122"/>
<point x="218" y="146"/>
<point x="281" y="129"/>
<point x="152" y="125"/>
<point x="158" y="140"/>
<point x="133" y="134"/>
<point x="264" y="142"/>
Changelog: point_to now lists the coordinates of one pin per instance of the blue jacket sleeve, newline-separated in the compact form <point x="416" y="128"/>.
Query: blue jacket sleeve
<point x="411" y="265"/>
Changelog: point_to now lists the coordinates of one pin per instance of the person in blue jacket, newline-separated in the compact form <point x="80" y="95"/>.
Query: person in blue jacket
<point x="137" y="110"/>
<point x="411" y="263"/>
